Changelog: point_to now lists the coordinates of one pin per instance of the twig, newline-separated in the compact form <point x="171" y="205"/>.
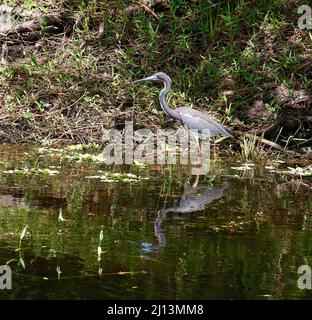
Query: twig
<point x="268" y="143"/>
<point x="148" y="9"/>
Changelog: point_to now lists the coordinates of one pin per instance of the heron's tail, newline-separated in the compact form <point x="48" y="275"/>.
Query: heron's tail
<point x="228" y="132"/>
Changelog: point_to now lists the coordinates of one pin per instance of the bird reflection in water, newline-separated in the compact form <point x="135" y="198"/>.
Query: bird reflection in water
<point x="194" y="199"/>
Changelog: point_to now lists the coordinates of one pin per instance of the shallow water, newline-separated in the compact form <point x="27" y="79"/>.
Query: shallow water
<point x="237" y="234"/>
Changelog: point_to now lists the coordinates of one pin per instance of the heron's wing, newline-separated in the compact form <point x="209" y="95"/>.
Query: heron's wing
<point x="194" y="119"/>
<point x="198" y="198"/>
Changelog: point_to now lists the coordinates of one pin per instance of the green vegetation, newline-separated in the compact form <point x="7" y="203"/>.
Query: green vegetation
<point x="76" y="228"/>
<point x="222" y="56"/>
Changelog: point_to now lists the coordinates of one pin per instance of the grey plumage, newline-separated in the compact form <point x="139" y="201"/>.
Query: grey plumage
<point x="194" y="119"/>
<point x="194" y="199"/>
<point x="197" y="198"/>
<point x="190" y="118"/>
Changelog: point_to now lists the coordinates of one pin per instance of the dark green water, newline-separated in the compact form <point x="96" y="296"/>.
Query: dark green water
<point x="236" y="235"/>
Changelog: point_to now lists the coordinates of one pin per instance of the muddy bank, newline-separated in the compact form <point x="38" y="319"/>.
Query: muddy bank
<point x="66" y="69"/>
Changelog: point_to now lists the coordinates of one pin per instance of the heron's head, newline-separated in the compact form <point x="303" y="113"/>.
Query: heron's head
<point x="159" y="77"/>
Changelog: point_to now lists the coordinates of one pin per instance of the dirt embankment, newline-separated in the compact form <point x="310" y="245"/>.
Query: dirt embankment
<point x="65" y="70"/>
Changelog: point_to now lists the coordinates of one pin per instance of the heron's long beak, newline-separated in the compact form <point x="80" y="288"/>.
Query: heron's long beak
<point x="152" y="78"/>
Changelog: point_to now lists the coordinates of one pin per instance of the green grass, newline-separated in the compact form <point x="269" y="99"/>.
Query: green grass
<point x="67" y="85"/>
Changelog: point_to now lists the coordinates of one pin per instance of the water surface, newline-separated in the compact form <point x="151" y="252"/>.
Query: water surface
<point x="234" y="234"/>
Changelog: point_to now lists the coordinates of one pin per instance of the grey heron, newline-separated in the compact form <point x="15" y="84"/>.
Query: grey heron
<point x="195" y="198"/>
<point x="190" y="118"/>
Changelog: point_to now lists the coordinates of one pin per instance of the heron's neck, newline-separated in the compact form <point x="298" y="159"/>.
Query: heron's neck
<point x="164" y="105"/>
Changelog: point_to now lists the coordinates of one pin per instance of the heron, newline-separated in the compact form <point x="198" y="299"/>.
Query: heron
<point x="190" y="118"/>
<point x="195" y="198"/>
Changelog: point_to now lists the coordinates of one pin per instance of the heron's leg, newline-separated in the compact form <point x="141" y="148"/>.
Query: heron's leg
<point x="199" y="150"/>
<point x="194" y="186"/>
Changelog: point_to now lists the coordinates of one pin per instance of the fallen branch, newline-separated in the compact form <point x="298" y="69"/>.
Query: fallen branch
<point x="33" y="21"/>
<point x="50" y="20"/>
<point x="268" y="143"/>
